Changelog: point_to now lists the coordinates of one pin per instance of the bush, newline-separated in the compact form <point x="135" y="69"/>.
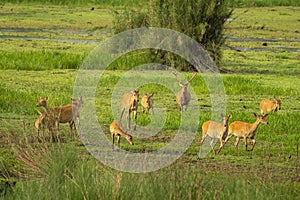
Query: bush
<point x="201" y="20"/>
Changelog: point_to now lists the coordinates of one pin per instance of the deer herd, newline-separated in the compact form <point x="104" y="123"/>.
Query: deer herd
<point x="70" y="113"/>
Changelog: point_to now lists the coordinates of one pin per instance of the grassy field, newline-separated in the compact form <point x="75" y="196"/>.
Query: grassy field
<point x="261" y="60"/>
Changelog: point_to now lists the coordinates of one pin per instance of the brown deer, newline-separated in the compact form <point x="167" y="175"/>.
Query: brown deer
<point x="215" y="130"/>
<point x="130" y="103"/>
<point x="60" y="114"/>
<point x="245" y="130"/>
<point x="115" y="129"/>
<point x="183" y="97"/>
<point x="43" y="122"/>
<point x="147" y="103"/>
<point x="77" y="107"/>
<point x="268" y="105"/>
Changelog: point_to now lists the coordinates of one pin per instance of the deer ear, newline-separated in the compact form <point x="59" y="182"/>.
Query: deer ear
<point x="222" y="116"/>
<point x="39" y="112"/>
<point x="255" y="115"/>
<point x="229" y="116"/>
<point x="39" y="97"/>
<point x="266" y="115"/>
<point x="47" y="98"/>
<point x="151" y="95"/>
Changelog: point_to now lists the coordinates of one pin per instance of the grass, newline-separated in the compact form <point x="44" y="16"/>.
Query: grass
<point x="34" y="67"/>
<point x="87" y="179"/>
<point x="236" y="3"/>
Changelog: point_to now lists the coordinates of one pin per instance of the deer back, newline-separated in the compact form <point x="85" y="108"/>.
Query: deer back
<point x="244" y="129"/>
<point x="268" y="105"/>
<point x="212" y="128"/>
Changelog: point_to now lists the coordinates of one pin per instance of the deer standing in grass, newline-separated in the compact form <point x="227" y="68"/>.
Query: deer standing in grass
<point x="43" y="122"/>
<point x="115" y="130"/>
<point x="245" y="130"/>
<point x="130" y="103"/>
<point x="40" y="122"/>
<point x="61" y="114"/>
<point x="183" y="97"/>
<point x="268" y="105"/>
<point x="77" y="107"/>
<point x="147" y="103"/>
<point x="215" y="130"/>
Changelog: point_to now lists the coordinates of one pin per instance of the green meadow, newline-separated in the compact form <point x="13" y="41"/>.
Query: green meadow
<point x="42" y="47"/>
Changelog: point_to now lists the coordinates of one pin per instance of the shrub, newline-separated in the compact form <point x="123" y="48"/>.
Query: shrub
<point x="201" y="20"/>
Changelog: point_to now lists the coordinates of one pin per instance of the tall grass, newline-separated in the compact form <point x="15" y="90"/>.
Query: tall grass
<point x="70" y="176"/>
<point x="40" y="60"/>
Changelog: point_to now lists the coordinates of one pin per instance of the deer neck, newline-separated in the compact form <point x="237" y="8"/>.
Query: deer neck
<point x="254" y="126"/>
<point x="184" y="90"/>
<point x="47" y="109"/>
<point x="124" y="134"/>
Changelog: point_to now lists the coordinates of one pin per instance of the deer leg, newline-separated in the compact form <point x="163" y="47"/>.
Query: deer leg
<point x="202" y="139"/>
<point x="72" y="127"/>
<point x="119" y="141"/>
<point x="78" y="120"/>
<point x="245" y="142"/>
<point x="128" y="119"/>
<point x="122" y="112"/>
<point x="237" y="142"/>
<point x="254" y="142"/>
<point x="227" y="138"/>
<point x="221" y="145"/>
<point x="186" y="106"/>
<point x="51" y="134"/>
<point x="211" y="144"/>
<point x="134" y="117"/>
<point x="113" y="140"/>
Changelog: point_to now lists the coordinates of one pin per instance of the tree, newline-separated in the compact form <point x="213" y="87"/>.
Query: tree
<point x="202" y="20"/>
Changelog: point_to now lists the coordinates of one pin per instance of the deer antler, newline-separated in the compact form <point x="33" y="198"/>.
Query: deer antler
<point x="194" y="74"/>
<point x="179" y="81"/>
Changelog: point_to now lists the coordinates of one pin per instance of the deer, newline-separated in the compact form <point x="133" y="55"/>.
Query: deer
<point x="77" y="107"/>
<point x="245" y="130"/>
<point x="61" y="114"/>
<point x="116" y="130"/>
<point x="183" y="97"/>
<point x="147" y="103"/>
<point x="130" y="103"/>
<point x="268" y="105"/>
<point x="215" y="130"/>
<point x="40" y="122"/>
<point x="43" y="122"/>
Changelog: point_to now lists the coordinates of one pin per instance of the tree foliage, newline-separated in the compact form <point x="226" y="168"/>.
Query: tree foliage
<point x="202" y="20"/>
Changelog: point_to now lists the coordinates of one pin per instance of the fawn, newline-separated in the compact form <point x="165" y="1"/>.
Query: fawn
<point x="115" y="129"/>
